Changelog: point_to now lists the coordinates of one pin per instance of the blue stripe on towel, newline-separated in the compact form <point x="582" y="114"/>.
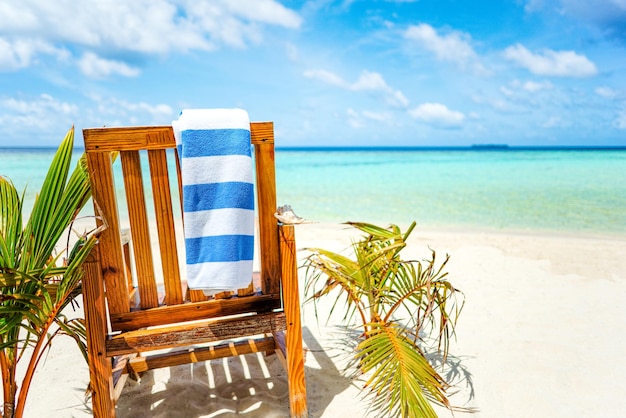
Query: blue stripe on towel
<point x="221" y="248"/>
<point x="218" y="196"/>
<point x="222" y="142"/>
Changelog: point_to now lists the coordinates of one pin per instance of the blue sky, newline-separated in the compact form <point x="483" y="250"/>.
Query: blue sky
<point x="415" y="73"/>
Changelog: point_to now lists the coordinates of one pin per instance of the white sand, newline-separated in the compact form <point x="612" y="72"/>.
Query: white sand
<point x="542" y="335"/>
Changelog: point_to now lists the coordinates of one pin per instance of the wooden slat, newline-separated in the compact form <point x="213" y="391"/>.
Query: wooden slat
<point x="281" y="352"/>
<point x="120" y="375"/>
<point x="281" y="345"/>
<point x="268" y="225"/>
<point x="129" y="139"/>
<point x="138" y="217"/>
<point x="197" y="295"/>
<point x="261" y="133"/>
<point x="291" y="303"/>
<point x="127" y="260"/>
<point x="246" y="291"/>
<point x="165" y="226"/>
<point x="119" y="387"/>
<point x="119" y="367"/>
<point x="101" y="377"/>
<point x="195" y="333"/>
<point x="193" y="311"/>
<point x="111" y="255"/>
<point x="195" y="355"/>
<point x="138" y="137"/>
<point x="179" y="179"/>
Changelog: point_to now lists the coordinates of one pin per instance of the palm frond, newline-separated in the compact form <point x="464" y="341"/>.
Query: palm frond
<point x="400" y="375"/>
<point x="340" y="273"/>
<point x="10" y="222"/>
<point x="75" y="329"/>
<point x="36" y="282"/>
<point x="397" y="300"/>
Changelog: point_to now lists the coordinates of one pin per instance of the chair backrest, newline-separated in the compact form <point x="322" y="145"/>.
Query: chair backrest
<point x="130" y="297"/>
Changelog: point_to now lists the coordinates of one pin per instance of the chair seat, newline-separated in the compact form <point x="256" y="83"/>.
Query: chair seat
<point x="192" y="311"/>
<point x="186" y="334"/>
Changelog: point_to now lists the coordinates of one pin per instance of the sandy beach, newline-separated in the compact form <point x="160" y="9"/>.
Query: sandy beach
<point x="541" y="335"/>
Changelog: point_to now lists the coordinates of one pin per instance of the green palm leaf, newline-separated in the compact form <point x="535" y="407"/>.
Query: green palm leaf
<point x="397" y="301"/>
<point x="36" y="281"/>
<point x="10" y="222"/>
<point x="400" y="375"/>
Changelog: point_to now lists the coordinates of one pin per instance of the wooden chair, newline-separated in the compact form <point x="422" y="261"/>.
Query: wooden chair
<point x="129" y="313"/>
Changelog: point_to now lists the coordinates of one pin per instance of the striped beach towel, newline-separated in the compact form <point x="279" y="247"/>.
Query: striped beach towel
<point x="218" y="197"/>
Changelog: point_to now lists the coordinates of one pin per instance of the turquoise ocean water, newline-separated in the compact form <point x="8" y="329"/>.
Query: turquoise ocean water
<point x="580" y="191"/>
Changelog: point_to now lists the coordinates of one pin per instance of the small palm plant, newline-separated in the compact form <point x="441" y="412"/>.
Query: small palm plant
<point x="36" y="283"/>
<point x="398" y="302"/>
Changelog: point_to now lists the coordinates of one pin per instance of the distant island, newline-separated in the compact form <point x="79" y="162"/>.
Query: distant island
<point x="490" y="146"/>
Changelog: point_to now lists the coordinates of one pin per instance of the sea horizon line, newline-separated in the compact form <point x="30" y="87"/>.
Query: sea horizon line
<point x="472" y="147"/>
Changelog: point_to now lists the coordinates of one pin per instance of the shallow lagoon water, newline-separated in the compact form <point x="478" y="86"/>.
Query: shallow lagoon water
<point x="571" y="191"/>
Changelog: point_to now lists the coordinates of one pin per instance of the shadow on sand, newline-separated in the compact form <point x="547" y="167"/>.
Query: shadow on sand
<point x="255" y="385"/>
<point x="252" y="385"/>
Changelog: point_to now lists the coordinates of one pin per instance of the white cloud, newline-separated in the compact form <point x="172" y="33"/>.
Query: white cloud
<point x="437" y="114"/>
<point x="42" y="104"/>
<point x="144" y="26"/>
<point x="95" y="67"/>
<point x="367" y="81"/>
<point x="265" y="11"/>
<point x="520" y="95"/>
<point x="533" y="86"/>
<point x="372" y="81"/>
<point x="22" y="53"/>
<point x="454" y="46"/>
<point x="552" y="63"/>
<point x="328" y="78"/>
<point x="528" y="86"/>
<point x="359" y="119"/>
<point x="112" y="111"/>
<point x="607" y="92"/>
<point x="39" y="116"/>
<point x="35" y="120"/>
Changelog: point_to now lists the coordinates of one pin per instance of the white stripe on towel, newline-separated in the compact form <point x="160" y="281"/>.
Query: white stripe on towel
<point x="213" y="222"/>
<point x="218" y="269"/>
<point x="220" y="119"/>
<point x="198" y="169"/>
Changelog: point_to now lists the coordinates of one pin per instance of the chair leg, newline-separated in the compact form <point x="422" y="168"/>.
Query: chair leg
<point x="100" y="373"/>
<point x="291" y="300"/>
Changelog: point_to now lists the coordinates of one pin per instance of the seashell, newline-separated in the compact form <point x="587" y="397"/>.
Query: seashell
<point x="286" y="215"/>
